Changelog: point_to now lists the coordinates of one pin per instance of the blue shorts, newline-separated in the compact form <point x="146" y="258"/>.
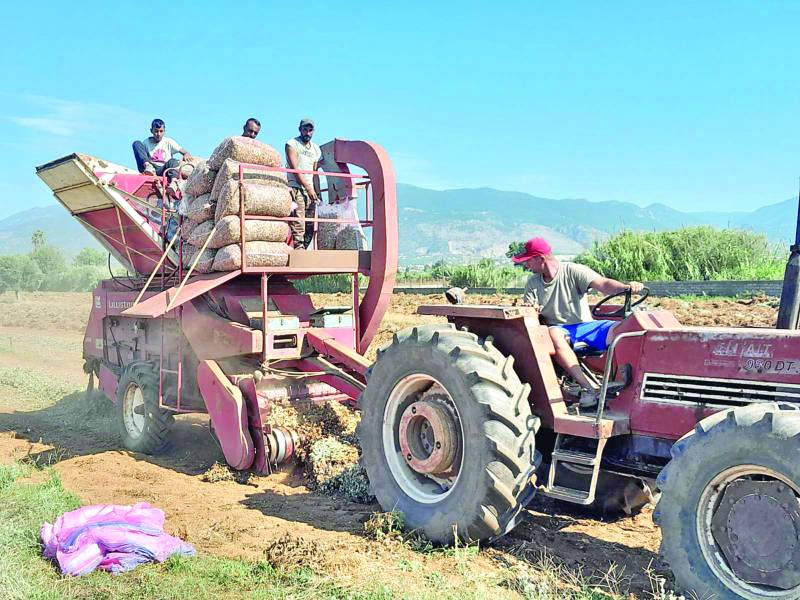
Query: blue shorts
<point x="591" y="333"/>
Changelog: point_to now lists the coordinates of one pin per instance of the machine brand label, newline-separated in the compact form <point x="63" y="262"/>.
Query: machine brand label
<point x="119" y="304"/>
<point x="743" y="349"/>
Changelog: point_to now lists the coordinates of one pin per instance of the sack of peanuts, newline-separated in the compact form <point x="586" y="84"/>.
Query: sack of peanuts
<point x="200" y="180"/>
<point x="228" y="231"/>
<point x="271" y="200"/>
<point x="259" y="254"/>
<point x="205" y="264"/>
<point x="244" y="150"/>
<point x="340" y="236"/>
<point x="201" y="209"/>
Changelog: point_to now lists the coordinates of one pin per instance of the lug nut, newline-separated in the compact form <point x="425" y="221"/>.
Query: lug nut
<point x="413" y="410"/>
<point x="438" y="445"/>
<point x="408" y="457"/>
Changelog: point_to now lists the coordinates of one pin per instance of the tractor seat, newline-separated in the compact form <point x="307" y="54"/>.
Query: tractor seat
<point x="582" y="350"/>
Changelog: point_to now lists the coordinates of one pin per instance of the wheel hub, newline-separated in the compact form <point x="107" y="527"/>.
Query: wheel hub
<point x="429" y="437"/>
<point x="757" y="527"/>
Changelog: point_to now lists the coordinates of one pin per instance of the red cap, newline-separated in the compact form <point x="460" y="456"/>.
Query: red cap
<point x="533" y="247"/>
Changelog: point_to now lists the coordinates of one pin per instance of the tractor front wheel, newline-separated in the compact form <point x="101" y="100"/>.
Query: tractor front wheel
<point x="143" y="424"/>
<point x="447" y="434"/>
<point x="730" y="506"/>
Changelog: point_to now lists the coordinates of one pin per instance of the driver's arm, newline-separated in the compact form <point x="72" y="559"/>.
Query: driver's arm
<point x="608" y="286"/>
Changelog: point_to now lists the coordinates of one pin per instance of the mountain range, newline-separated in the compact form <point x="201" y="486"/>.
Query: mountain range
<point x="463" y="225"/>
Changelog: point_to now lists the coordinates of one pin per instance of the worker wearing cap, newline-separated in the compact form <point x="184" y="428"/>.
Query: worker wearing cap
<point x="304" y="155"/>
<point x="558" y="291"/>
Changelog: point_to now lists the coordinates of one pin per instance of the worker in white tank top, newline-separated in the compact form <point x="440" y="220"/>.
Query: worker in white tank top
<point x="304" y="155"/>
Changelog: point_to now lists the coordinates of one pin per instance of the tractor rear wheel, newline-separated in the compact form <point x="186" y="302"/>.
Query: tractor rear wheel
<point x="730" y="506"/>
<point x="447" y="434"/>
<point x="143" y="424"/>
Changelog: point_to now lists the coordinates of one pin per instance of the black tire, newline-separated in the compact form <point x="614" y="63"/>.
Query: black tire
<point x="150" y="435"/>
<point x="766" y="436"/>
<point x="499" y="459"/>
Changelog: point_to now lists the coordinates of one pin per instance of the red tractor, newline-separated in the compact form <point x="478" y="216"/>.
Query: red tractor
<point x="462" y="422"/>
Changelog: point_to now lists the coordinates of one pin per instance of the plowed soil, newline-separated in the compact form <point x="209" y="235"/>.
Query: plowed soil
<point x="45" y="416"/>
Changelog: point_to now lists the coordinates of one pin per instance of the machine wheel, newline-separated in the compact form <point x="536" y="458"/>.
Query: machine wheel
<point x="447" y="434"/>
<point x="729" y="512"/>
<point x="143" y="424"/>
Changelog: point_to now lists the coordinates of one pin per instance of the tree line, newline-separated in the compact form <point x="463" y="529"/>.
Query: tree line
<point x="47" y="268"/>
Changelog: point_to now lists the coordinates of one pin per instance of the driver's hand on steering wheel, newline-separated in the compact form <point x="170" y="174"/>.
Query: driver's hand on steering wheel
<point x="635" y="286"/>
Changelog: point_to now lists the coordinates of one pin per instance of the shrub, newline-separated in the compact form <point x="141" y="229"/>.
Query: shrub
<point x="691" y="253"/>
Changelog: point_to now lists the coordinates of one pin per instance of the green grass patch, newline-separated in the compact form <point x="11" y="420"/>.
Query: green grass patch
<point x="32" y="389"/>
<point x="24" y="574"/>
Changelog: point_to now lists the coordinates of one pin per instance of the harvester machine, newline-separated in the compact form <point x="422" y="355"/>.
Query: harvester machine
<point x="164" y="341"/>
<point x="465" y="420"/>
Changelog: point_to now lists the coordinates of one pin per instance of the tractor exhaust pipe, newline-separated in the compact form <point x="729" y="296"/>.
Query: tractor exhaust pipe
<point x="790" y="294"/>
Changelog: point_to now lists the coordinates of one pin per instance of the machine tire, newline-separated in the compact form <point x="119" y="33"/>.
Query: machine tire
<point x="499" y="460"/>
<point x="151" y="433"/>
<point x="766" y="436"/>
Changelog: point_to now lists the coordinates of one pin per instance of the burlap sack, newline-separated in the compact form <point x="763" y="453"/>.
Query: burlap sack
<point x="244" y="150"/>
<point x="200" y="181"/>
<point x="259" y="254"/>
<point x="204" y="265"/>
<point x="186" y="229"/>
<point x="229" y="231"/>
<point x="271" y="200"/>
<point x="200" y="233"/>
<point x="350" y="237"/>
<point x="201" y="209"/>
<point x="230" y="170"/>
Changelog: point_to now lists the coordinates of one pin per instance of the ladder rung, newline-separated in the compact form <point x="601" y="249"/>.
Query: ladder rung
<point x="561" y="493"/>
<point x="169" y="371"/>
<point x="578" y="458"/>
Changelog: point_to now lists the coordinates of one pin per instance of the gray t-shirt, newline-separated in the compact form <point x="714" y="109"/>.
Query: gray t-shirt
<point x="563" y="300"/>
<point x="307" y="157"/>
<point x="162" y="151"/>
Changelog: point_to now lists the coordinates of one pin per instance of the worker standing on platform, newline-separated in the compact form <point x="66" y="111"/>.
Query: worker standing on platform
<point x="251" y="128"/>
<point x="304" y="155"/>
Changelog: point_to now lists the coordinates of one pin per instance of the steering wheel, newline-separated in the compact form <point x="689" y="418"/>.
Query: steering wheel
<point x="626" y="309"/>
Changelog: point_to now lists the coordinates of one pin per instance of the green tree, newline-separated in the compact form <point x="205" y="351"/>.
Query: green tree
<point x="19" y="273"/>
<point x="37" y="239"/>
<point x="515" y="248"/>
<point x="89" y="257"/>
<point x="50" y="260"/>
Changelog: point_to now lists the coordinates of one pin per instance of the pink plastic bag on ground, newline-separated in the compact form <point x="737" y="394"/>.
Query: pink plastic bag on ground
<point x="109" y="537"/>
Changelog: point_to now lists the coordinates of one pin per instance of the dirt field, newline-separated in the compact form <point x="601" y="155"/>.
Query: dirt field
<point x="44" y="415"/>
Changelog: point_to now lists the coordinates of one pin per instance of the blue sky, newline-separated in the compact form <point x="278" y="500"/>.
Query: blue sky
<point x="694" y="105"/>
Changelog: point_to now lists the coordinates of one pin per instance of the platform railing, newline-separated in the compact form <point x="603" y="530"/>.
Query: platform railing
<point x="360" y="181"/>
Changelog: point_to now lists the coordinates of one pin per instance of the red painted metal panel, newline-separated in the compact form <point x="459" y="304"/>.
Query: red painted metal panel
<point x="156" y="305"/>
<point x="227" y="410"/>
<point x="108" y="383"/>
<point x="212" y="337"/>
<point x="374" y="160"/>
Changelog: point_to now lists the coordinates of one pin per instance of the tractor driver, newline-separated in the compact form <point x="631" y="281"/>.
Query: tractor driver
<point x="558" y="291"/>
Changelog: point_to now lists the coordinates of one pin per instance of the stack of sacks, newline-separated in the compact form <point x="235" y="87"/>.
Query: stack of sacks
<point x="213" y="189"/>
